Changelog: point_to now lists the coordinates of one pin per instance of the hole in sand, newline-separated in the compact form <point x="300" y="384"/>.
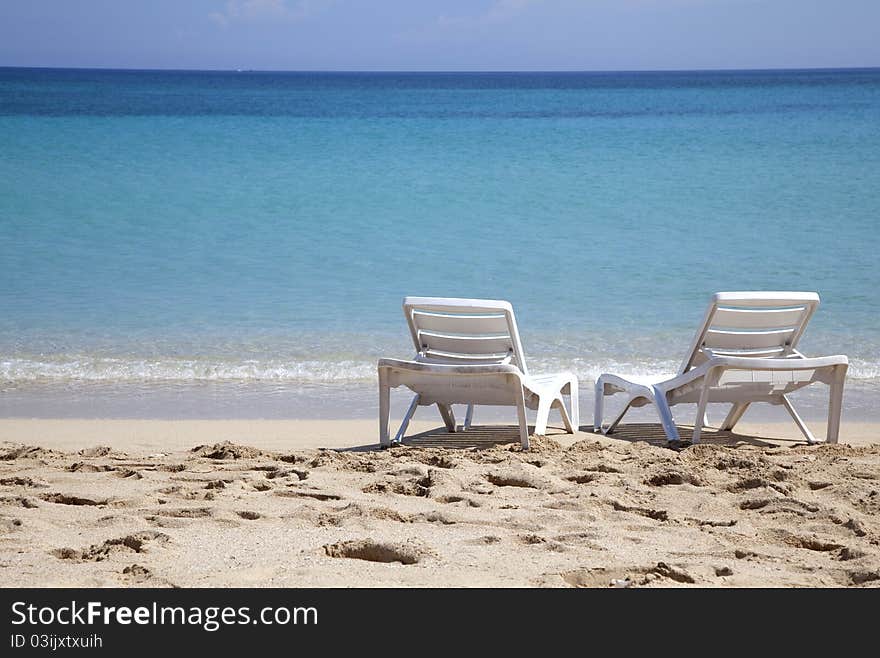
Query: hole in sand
<point x="373" y="551"/>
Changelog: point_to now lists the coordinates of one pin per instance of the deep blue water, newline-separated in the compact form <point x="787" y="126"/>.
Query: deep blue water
<point x="162" y="229"/>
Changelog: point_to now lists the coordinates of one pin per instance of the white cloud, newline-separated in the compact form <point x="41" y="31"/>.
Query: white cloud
<point x="265" y="11"/>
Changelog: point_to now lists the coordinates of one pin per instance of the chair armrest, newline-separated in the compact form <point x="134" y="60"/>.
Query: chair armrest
<point x="773" y="363"/>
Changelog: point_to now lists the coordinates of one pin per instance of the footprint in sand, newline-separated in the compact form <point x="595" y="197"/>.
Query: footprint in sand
<point x="623" y="577"/>
<point x="812" y="542"/>
<point x="302" y="493"/>
<point x="746" y="484"/>
<point x="531" y="540"/>
<point x="862" y="576"/>
<point x="454" y="498"/>
<point x="20" y="501"/>
<point x="657" y="515"/>
<point x="25" y="452"/>
<point x="440" y="461"/>
<point x="135" y="543"/>
<point x="136" y="573"/>
<point x="712" y="523"/>
<point x="227" y="450"/>
<point x="171" y="468"/>
<point x="413" y="487"/>
<point x="186" y="512"/>
<point x="64" y="499"/>
<point x="754" y="503"/>
<point x="128" y="473"/>
<point x="512" y="478"/>
<point x="854" y="525"/>
<point x="601" y="577"/>
<point x="602" y="468"/>
<point x="278" y="473"/>
<point x="341" y="516"/>
<point x="847" y="553"/>
<point x="583" y="478"/>
<point x="790" y="506"/>
<point x="96" y="451"/>
<point x="668" y="477"/>
<point x="370" y="550"/>
<point x="672" y="572"/>
<point x="22" y="482"/>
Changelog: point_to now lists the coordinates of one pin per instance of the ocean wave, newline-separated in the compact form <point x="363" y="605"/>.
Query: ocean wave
<point x="107" y="369"/>
<point x="98" y="369"/>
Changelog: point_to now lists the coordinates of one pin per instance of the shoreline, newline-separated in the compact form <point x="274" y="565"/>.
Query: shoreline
<point x="146" y="436"/>
<point x="356" y="401"/>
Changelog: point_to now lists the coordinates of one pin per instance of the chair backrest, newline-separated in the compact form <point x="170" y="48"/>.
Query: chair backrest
<point x="464" y="331"/>
<point x="757" y="324"/>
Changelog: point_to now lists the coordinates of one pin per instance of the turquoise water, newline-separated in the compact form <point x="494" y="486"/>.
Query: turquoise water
<point x="235" y="236"/>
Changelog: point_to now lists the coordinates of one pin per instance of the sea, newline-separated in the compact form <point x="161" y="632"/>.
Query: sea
<point x="213" y="244"/>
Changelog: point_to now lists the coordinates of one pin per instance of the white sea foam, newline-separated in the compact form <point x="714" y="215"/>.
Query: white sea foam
<point x="103" y="369"/>
<point x="107" y="369"/>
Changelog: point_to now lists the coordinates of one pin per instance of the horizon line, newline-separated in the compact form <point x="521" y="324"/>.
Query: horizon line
<point x="440" y="71"/>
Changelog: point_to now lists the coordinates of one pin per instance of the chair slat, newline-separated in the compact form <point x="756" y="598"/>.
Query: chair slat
<point x="759" y="353"/>
<point x="461" y="324"/>
<point x="465" y="345"/>
<point x="747" y="340"/>
<point x="741" y="318"/>
<point x="465" y="359"/>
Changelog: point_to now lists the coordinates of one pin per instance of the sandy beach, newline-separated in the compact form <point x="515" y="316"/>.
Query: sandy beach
<point x="314" y="503"/>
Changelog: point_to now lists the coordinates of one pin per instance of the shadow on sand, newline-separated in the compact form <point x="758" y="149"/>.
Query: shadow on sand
<point x="483" y="437"/>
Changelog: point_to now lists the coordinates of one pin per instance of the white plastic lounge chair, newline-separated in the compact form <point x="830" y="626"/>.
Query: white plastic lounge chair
<point x="744" y="352"/>
<point x="468" y="352"/>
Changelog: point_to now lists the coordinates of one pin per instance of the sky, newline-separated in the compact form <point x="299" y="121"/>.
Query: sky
<point x="448" y="35"/>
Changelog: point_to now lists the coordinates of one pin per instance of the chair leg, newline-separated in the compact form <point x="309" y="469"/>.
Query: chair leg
<point x="789" y="407"/>
<point x="835" y="404"/>
<point x="384" y="412"/>
<point x="619" y="418"/>
<point x="469" y="417"/>
<point x="406" y="418"/>
<point x="448" y="416"/>
<point x="700" y="420"/>
<point x="599" y="406"/>
<point x="736" y="412"/>
<point x="574" y="405"/>
<point x="544" y="403"/>
<point x="566" y="419"/>
<point x="523" y="420"/>
<point x="665" y="413"/>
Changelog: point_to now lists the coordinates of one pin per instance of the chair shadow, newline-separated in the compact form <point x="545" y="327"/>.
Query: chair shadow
<point x="478" y="437"/>
<point x="485" y="437"/>
<point x="653" y="433"/>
